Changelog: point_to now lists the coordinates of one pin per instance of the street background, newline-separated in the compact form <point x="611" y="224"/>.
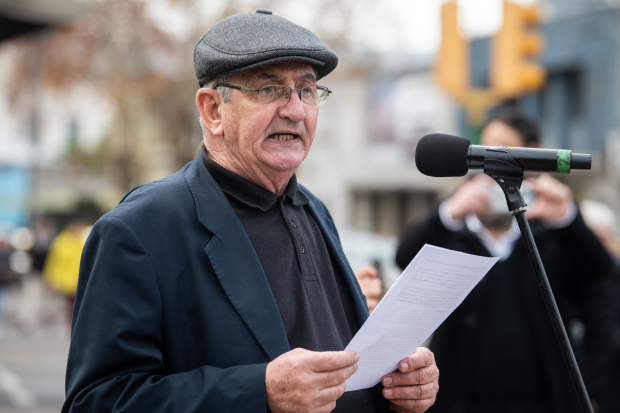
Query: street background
<point x="97" y="97"/>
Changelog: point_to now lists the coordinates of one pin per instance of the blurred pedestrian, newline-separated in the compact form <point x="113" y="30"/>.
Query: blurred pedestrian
<point x="62" y="265"/>
<point x="44" y="233"/>
<point x="602" y="221"/>
<point x="498" y="351"/>
<point x="6" y="273"/>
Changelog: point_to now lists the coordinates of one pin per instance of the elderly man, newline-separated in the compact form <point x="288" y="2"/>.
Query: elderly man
<point x="224" y="288"/>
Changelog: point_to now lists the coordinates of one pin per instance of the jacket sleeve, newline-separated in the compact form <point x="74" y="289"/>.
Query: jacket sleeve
<point x="429" y="231"/>
<point x="587" y="267"/>
<point x="116" y="361"/>
<point x="584" y="255"/>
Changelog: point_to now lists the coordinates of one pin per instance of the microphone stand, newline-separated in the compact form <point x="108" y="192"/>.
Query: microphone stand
<point x="501" y="166"/>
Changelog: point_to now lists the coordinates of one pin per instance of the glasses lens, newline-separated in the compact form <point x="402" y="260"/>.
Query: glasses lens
<point x="310" y="95"/>
<point x="320" y="94"/>
<point x="273" y="95"/>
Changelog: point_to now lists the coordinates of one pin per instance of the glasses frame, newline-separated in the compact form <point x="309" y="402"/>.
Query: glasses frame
<point x="288" y="95"/>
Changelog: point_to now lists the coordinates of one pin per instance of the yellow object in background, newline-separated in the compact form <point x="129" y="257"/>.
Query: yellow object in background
<point x="62" y="265"/>
<point x="513" y="70"/>
<point x="452" y="66"/>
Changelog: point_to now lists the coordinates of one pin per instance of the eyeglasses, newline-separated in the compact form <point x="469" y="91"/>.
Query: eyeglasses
<point x="279" y="95"/>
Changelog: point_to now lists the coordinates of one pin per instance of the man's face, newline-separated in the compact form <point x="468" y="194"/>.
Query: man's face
<point x="272" y="139"/>
<point x="499" y="134"/>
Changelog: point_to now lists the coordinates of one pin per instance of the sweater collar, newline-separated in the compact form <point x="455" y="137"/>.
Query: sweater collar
<point x="248" y="192"/>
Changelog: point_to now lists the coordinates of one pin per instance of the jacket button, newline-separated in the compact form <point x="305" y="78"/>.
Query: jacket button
<point x="293" y="224"/>
<point x="303" y="250"/>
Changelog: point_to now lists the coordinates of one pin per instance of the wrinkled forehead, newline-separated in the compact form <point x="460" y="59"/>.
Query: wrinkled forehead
<point x="295" y="71"/>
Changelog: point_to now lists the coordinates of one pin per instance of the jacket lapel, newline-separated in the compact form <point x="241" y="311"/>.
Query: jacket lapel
<point x="235" y="262"/>
<point x="332" y="241"/>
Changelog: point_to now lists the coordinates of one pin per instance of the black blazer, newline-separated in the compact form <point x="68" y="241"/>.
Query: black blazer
<point x="575" y="263"/>
<point x="173" y="311"/>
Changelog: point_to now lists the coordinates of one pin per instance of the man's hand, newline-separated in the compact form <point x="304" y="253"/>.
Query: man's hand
<point x="371" y="285"/>
<point x="306" y="381"/>
<point x="552" y="198"/>
<point x="471" y="197"/>
<point x="413" y="387"/>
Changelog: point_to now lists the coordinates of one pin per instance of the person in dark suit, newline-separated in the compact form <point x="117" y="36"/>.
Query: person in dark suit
<point x="498" y="351"/>
<point x="224" y="287"/>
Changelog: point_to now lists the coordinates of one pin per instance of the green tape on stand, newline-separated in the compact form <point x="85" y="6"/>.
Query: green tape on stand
<point x="563" y="161"/>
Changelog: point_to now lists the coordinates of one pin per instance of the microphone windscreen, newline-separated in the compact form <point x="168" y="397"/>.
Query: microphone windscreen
<point x="442" y="155"/>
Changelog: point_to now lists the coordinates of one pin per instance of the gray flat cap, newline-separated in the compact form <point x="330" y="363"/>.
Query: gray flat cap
<point x="245" y="41"/>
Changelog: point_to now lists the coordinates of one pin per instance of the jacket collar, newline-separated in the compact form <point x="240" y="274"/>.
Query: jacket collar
<point x="235" y="262"/>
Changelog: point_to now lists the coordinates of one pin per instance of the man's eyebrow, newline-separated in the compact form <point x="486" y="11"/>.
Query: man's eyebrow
<point x="266" y="76"/>
<point x="309" y="76"/>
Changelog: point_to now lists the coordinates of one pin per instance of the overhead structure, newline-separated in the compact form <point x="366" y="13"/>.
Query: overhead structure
<point x="23" y="16"/>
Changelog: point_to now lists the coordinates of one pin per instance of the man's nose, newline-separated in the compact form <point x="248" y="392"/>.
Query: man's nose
<point x="294" y="109"/>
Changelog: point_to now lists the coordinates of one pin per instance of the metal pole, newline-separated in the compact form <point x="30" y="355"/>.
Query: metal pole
<point x="554" y="313"/>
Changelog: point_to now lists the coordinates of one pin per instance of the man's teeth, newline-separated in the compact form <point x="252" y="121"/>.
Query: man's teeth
<point x="284" y="137"/>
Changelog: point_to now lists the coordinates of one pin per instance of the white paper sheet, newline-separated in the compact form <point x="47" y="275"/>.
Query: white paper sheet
<point x="436" y="281"/>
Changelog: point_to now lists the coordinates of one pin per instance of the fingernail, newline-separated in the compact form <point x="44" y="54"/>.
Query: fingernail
<point x="404" y="366"/>
<point x="387" y="381"/>
<point x="388" y="393"/>
<point x="357" y="357"/>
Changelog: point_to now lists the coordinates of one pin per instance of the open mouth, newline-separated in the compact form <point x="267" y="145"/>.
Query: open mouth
<point x="284" y="136"/>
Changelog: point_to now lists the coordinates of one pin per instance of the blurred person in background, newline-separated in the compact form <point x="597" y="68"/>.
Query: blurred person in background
<point x="6" y="273"/>
<point x="62" y="264"/>
<point x="498" y="351"/>
<point x="371" y="285"/>
<point x="601" y="219"/>
<point x="44" y="233"/>
<point x="224" y="287"/>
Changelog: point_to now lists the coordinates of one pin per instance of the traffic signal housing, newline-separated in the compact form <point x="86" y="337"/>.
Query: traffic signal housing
<point x="513" y="72"/>
<point x="452" y="66"/>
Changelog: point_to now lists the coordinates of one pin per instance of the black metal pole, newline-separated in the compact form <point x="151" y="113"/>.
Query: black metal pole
<point x="554" y="313"/>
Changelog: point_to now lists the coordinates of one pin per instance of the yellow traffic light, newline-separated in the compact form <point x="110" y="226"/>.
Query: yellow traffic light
<point x="452" y="66"/>
<point x="512" y="71"/>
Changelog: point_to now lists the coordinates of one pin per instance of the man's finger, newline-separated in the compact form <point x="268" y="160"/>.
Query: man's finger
<point x="366" y="271"/>
<point x="336" y="377"/>
<point x="372" y="302"/>
<point x="331" y="360"/>
<point x="421" y="357"/>
<point x="424" y="375"/>
<point x="330" y="394"/>
<point x="416" y="406"/>
<point x="373" y="288"/>
<point x="419" y="392"/>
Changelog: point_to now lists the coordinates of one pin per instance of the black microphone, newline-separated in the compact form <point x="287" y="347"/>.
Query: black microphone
<point x="446" y="155"/>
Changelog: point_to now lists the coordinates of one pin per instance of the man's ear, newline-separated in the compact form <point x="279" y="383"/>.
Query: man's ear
<point x="208" y="102"/>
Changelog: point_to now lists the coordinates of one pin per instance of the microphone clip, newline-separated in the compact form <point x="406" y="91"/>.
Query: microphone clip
<point x="501" y="166"/>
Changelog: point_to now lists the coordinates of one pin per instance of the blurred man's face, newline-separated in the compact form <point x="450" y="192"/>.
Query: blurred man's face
<point x="272" y="139"/>
<point x="499" y="134"/>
